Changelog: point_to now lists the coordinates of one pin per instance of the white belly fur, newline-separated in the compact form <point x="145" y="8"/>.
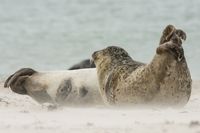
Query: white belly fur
<point x="51" y="80"/>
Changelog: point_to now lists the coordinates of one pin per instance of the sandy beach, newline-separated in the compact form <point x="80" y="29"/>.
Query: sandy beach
<point x="20" y="113"/>
<point x="53" y="35"/>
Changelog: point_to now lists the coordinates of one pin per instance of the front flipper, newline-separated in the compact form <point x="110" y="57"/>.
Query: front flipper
<point x="109" y="89"/>
<point x="41" y="96"/>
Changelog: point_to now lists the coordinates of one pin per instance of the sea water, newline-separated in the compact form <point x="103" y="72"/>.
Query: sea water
<point x="55" y="34"/>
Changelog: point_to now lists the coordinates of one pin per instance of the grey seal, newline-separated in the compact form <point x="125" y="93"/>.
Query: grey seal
<point x="76" y="88"/>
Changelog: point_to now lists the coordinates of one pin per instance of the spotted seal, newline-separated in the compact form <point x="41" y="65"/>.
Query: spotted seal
<point x="165" y="81"/>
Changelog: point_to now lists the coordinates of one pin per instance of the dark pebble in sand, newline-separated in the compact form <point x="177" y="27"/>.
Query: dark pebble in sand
<point x="194" y="124"/>
<point x="24" y="111"/>
<point x="90" y="124"/>
<point x="50" y="107"/>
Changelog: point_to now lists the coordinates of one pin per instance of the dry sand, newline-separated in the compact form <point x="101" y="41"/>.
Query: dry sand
<point x="21" y="114"/>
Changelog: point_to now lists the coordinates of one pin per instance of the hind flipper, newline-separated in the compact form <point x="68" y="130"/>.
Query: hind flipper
<point x="167" y="33"/>
<point x="173" y="47"/>
<point x="180" y="33"/>
<point x="16" y="80"/>
<point x="170" y="32"/>
<point x="7" y="80"/>
<point x="18" y="86"/>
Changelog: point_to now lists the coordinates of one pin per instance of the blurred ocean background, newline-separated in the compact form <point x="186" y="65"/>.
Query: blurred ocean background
<point x="55" y="34"/>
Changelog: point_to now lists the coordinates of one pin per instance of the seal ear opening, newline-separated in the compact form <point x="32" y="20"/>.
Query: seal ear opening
<point x="16" y="81"/>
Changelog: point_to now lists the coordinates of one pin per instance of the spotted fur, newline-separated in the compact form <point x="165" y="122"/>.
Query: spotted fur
<point x="165" y="81"/>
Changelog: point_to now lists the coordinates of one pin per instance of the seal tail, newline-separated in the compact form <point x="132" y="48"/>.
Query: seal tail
<point x="16" y="81"/>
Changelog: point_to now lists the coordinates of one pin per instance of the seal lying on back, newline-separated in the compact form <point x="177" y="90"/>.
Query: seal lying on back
<point x="78" y="87"/>
<point x="165" y="81"/>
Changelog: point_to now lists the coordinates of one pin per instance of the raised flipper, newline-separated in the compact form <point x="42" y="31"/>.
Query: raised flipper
<point x="16" y="81"/>
<point x="171" y="32"/>
<point x="180" y="33"/>
<point x="167" y="33"/>
<point x="171" y="41"/>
